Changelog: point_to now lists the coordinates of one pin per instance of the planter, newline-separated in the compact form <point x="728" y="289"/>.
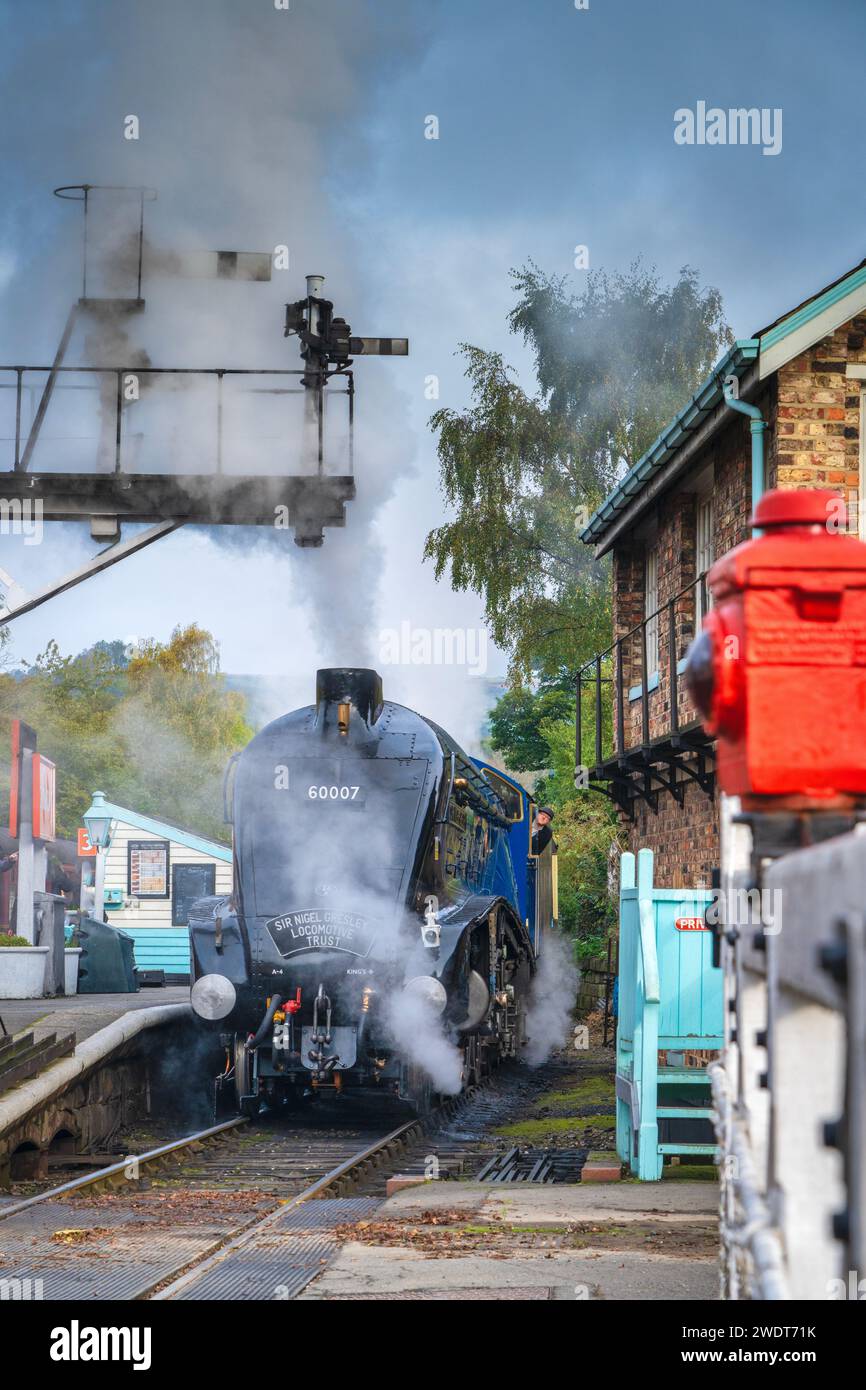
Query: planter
<point x="22" y="972"/>
<point x="71" y="958"/>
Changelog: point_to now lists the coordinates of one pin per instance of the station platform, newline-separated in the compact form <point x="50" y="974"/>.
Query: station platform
<point x="82" y="1014"/>
<point x="456" y="1241"/>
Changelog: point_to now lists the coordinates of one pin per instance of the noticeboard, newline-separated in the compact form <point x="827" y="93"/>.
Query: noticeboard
<point x="188" y="883"/>
<point x="147" y="868"/>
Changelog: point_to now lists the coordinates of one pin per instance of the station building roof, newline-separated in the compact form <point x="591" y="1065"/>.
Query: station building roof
<point x="166" y="830"/>
<point x="751" y="360"/>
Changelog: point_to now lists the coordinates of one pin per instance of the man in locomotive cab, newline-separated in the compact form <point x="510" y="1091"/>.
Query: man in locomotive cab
<point x="541" y="831"/>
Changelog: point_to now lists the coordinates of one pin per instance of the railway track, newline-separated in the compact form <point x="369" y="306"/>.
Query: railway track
<point x="126" y="1230"/>
<point x="241" y="1210"/>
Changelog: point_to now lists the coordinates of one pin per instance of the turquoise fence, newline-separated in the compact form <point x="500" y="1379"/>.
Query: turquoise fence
<point x="670" y="1002"/>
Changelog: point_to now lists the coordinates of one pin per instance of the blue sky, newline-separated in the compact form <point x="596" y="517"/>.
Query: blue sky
<point x="307" y="127"/>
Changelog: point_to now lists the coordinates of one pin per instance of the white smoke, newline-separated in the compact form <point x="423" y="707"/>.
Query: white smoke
<point x="247" y="115"/>
<point x="348" y="864"/>
<point x="551" y="1000"/>
<point x="418" y="1032"/>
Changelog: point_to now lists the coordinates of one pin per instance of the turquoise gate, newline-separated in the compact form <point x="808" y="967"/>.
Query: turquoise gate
<point x="670" y="1001"/>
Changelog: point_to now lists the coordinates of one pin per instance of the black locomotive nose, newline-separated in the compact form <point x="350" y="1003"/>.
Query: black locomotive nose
<point x="349" y="687"/>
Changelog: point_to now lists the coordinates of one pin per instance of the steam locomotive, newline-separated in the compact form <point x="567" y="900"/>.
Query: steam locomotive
<point x="385" y="902"/>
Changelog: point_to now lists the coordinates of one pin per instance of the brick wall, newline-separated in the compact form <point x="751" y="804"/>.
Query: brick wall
<point x="684" y="839"/>
<point x="812" y="440"/>
<point x="818" y="441"/>
<point x="675" y="518"/>
<point x="732" y="476"/>
<point x="593" y="984"/>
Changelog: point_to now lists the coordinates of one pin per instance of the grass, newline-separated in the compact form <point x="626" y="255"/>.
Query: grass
<point x="595" y="1090"/>
<point x="559" y="1124"/>
<point x="682" y="1172"/>
<point x="690" y="1172"/>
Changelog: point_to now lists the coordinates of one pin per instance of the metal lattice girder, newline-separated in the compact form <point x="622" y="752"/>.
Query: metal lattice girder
<point x="206" y="499"/>
<point x="104" y="560"/>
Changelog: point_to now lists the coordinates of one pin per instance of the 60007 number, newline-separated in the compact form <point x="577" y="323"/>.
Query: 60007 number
<point x="333" y="793"/>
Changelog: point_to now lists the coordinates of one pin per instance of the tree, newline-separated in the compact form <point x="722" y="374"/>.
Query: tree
<point x="70" y="701"/>
<point x="183" y="725"/>
<point x="515" y="726"/>
<point x="587" y="837"/>
<point x="618" y="360"/>
<point x="153" y="731"/>
<point x="524" y="474"/>
<point x="519" y="490"/>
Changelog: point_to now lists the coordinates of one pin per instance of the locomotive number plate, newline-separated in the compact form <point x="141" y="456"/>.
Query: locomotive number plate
<point x="319" y="929"/>
<point x="339" y="793"/>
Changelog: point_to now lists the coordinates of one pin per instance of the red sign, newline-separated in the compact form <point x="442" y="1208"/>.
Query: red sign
<point x="43" y="797"/>
<point x="691" y="924"/>
<point x="85" y="848"/>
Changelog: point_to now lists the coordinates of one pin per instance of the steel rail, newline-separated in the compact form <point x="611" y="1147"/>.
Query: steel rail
<point x="317" y="1189"/>
<point x="122" y="1166"/>
<point x="167" y="1285"/>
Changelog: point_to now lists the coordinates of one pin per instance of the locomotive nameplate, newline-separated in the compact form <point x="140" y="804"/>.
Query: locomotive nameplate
<point x="321" y="929"/>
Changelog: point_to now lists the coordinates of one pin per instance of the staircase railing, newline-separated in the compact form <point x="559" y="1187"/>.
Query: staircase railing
<point x="646" y="1043"/>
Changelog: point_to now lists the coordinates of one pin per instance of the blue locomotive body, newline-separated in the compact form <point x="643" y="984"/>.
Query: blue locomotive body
<point x="375" y="889"/>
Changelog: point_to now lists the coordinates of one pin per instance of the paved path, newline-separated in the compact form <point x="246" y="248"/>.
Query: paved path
<point x="82" y="1014"/>
<point x="577" y="1242"/>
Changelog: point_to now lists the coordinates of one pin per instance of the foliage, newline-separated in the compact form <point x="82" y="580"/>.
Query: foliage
<point x="7" y="939"/>
<point x="153" y="731"/>
<point x="588" y="840"/>
<point x="515" y="726"/>
<point x="618" y="360"/>
<point x="524" y="474"/>
<point x="520" y="491"/>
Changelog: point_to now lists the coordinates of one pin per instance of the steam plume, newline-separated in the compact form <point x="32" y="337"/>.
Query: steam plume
<point x="551" y="1001"/>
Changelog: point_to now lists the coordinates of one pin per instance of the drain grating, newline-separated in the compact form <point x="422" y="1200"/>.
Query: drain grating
<point x="534" y="1165"/>
<point x="277" y="1259"/>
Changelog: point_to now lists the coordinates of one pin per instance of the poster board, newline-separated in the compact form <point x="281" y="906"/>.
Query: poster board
<point x="148" y="868"/>
<point x="44" y="797"/>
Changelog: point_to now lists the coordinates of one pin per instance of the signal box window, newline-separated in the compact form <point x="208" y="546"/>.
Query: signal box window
<point x="651" y="580"/>
<point x="704" y="554"/>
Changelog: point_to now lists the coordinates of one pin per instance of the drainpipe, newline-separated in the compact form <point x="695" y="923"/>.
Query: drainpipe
<point x="757" y="425"/>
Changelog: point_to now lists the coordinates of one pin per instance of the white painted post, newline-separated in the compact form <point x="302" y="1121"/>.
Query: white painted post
<point x="99" y="884"/>
<point x="26" y="867"/>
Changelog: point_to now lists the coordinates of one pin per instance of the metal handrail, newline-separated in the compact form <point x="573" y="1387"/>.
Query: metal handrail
<point x="608" y="651"/>
<point x="591" y="674"/>
<point x="22" y="459"/>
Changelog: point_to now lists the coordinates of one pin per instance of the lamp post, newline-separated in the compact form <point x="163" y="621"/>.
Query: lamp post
<point x="97" y="820"/>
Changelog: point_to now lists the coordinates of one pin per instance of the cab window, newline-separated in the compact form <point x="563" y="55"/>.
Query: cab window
<point x="509" y="796"/>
